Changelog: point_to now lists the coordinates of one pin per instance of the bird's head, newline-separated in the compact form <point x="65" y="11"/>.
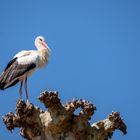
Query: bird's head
<point x="41" y="44"/>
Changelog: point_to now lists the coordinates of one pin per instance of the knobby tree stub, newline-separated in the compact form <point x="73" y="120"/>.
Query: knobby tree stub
<point x="59" y="122"/>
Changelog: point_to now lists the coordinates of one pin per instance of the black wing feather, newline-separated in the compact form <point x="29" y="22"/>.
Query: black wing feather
<point x="10" y="63"/>
<point x="12" y="72"/>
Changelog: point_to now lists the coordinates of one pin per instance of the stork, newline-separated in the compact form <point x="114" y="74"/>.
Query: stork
<point x="24" y="64"/>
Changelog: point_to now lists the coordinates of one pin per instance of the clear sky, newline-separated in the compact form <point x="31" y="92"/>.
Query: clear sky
<point x="95" y="54"/>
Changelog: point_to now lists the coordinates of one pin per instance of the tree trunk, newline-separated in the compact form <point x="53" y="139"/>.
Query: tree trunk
<point x="59" y="122"/>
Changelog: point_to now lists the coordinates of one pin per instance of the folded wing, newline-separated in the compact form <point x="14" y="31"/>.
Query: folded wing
<point x="16" y="68"/>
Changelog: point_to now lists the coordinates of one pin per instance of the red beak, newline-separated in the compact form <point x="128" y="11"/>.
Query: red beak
<point x="44" y="44"/>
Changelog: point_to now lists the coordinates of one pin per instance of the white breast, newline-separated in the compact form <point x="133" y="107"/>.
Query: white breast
<point x="43" y="58"/>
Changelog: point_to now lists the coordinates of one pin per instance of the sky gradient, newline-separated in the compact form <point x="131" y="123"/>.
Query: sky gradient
<point x="95" y="55"/>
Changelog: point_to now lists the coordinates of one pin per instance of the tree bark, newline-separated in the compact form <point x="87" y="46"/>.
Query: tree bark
<point x="59" y="122"/>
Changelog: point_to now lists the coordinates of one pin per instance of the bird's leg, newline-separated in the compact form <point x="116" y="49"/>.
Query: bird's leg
<point x="20" y="90"/>
<point x="25" y="86"/>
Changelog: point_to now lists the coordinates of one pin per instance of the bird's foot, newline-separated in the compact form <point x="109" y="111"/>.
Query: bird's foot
<point x="27" y="102"/>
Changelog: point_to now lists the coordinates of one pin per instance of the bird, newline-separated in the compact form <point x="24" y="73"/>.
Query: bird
<point x="23" y="64"/>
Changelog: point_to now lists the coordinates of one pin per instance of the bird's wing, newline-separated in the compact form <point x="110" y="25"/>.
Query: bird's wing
<point x="13" y="73"/>
<point x="20" y="54"/>
<point x="17" y="68"/>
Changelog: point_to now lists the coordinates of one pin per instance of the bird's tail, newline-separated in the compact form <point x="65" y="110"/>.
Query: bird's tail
<point x="2" y="81"/>
<point x="1" y="86"/>
<point x="5" y="80"/>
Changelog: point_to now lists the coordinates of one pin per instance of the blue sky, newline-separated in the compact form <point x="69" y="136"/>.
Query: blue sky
<point x="95" y="54"/>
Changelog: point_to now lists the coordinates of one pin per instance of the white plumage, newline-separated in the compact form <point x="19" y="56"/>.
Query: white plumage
<point x="23" y="64"/>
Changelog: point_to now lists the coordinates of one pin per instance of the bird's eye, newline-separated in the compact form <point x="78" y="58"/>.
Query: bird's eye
<point x="40" y="39"/>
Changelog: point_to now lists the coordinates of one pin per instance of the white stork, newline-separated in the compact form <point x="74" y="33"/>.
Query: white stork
<point x="23" y="64"/>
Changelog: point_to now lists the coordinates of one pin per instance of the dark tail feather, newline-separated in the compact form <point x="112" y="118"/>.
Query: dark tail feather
<point x="5" y="80"/>
<point x="2" y="80"/>
<point x="12" y="84"/>
<point x="2" y="86"/>
<point x="6" y="76"/>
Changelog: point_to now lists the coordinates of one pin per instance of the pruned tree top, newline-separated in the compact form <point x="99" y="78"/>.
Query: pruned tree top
<point x="59" y="122"/>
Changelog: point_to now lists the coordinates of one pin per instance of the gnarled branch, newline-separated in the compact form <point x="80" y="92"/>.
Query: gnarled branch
<point x="59" y="122"/>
